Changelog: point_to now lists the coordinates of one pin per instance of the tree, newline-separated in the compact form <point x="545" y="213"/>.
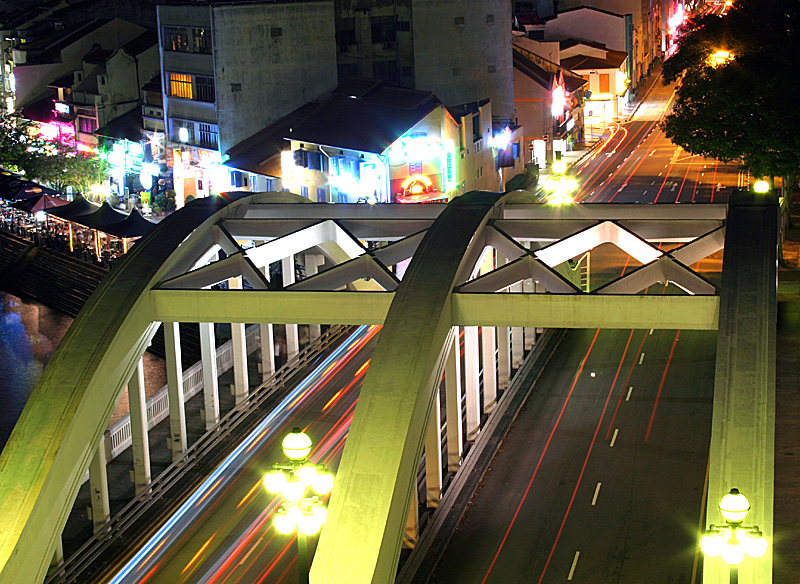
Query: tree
<point x="50" y="163"/>
<point x="742" y="108"/>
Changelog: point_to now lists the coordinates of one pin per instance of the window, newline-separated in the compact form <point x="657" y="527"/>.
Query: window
<point x="403" y="25"/>
<point x="87" y="125"/>
<point x="186" y="40"/>
<point x="459" y="21"/>
<point x="304" y="191"/>
<point x="385" y="70"/>
<point x="176" y="38"/>
<point x="180" y="85"/>
<point x="346" y="33"/>
<point x="322" y="195"/>
<point x="604" y="83"/>
<point x="183" y="129"/>
<point x="384" y="29"/>
<point x="208" y="136"/>
<point x="491" y="68"/>
<point x="476" y="127"/>
<point x="515" y="151"/>
<point x="205" y="88"/>
<point x="347" y="70"/>
<point x="201" y="41"/>
<point x="456" y="71"/>
<point x="240" y="179"/>
<point x="490" y="19"/>
<point x="276" y="32"/>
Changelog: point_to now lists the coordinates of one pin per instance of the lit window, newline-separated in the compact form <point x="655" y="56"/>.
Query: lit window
<point x="180" y="85"/>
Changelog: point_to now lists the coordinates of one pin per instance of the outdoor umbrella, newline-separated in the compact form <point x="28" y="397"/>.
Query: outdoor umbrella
<point x="39" y="203"/>
<point x="17" y="189"/>
<point x="134" y="225"/>
<point x="102" y="217"/>
<point x="71" y="211"/>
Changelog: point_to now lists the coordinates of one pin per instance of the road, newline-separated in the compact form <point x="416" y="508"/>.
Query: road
<point x="597" y="482"/>
<point x="223" y="533"/>
<point x="638" y="164"/>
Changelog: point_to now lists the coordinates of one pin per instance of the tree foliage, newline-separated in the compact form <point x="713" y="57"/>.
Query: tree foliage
<point x="746" y="108"/>
<point x="49" y="163"/>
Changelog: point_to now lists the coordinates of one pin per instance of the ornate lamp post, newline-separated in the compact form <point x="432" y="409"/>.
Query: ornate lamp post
<point x="733" y="541"/>
<point x="559" y="185"/>
<point x="293" y="480"/>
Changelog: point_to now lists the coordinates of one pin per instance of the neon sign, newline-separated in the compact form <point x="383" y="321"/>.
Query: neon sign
<point x="449" y="165"/>
<point x="559" y="101"/>
<point x="416" y="184"/>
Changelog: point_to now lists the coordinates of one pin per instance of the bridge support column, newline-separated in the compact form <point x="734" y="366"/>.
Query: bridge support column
<point x="313" y="261"/>
<point x="517" y="347"/>
<point x="488" y="345"/>
<point x="529" y="332"/>
<point x="241" y="381"/>
<point x="471" y="373"/>
<point x="139" y="437"/>
<point x="58" y="553"/>
<point x="98" y="485"/>
<point x="267" y="336"/>
<point x="503" y="357"/>
<point x="292" y="336"/>
<point x="742" y="445"/>
<point x="433" y="456"/>
<point x="208" y="355"/>
<point x="177" y="408"/>
<point x="452" y="380"/>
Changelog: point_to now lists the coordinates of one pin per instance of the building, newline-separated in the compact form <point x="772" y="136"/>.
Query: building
<point x="549" y="99"/>
<point x="460" y="51"/>
<point x="369" y="141"/>
<point x="268" y="59"/>
<point x="605" y="70"/>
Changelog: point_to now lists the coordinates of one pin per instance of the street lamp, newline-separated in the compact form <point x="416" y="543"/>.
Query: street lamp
<point x="560" y="186"/>
<point x="733" y="541"/>
<point x="761" y="186"/>
<point x="720" y="58"/>
<point x="292" y="480"/>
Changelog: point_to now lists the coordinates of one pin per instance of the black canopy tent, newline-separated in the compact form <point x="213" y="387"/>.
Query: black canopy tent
<point x="134" y="225"/>
<point x="39" y="203"/>
<point x="101" y="217"/>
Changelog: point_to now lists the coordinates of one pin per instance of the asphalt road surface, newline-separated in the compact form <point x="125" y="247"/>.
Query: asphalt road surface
<point x="601" y="478"/>
<point x="638" y="164"/>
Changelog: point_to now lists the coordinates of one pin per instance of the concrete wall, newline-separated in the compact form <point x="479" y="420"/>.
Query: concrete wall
<point x="532" y="102"/>
<point x="125" y="76"/>
<point x="269" y="60"/>
<point x="589" y="25"/>
<point x="462" y="51"/>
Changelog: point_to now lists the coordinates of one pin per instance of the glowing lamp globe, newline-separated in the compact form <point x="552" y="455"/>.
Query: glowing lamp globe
<point x="733" y="552"/>
<point x="322" y="483"/>
<point x="761" y="186"/>
<point x="293" y="491"/>
<point x="308" y="523"/>
<point x="734" y="506"/>
<point x="559" y="167"/>
<point x="275" y="481"/>
<point x="321" y="513"/>
<point x="285" y="520"/>
<point x="306" y="474"/>
<point x="714" y="543"/>
<point x="296" y="445"/>
<point x="755" y="544"/>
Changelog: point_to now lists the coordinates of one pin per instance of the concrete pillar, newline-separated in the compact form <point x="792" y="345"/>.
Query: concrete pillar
<point x="452" y="380"/>
<point x="208" y="355"/>
<point x="312" y="262"/>
<point x="98" y="487"/>
<point x="471" y="372"/>
<point x="433" y="456"/>
<point x="267" y="350"/>
<point x="177" y="408"/>
<point x="517" y="347"/>
<point x="529" y="332"/>
<point x="139" y="437"/>
<point x="241" y="381"/>
<point x="488" y="347"/>
<point x="412" y="523"/>
<point x="267" y="336"/>
<point x="292" y="336"/>
<point x="503" y="357"/>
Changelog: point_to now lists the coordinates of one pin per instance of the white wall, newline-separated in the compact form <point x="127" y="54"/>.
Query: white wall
<point x="589" y="25"/>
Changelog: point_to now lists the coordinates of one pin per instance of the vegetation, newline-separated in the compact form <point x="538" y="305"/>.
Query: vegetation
<point x="50" y="163"/>
<point x="742" y="107"/>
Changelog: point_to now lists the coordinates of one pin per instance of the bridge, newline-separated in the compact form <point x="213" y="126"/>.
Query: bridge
<point x="486" y="260"/>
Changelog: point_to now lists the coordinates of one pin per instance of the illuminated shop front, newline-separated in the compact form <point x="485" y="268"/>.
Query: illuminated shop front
<point x="197" y="173"/>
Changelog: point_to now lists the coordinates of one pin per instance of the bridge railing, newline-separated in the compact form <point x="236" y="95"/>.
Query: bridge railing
<point x="75" y="568"/>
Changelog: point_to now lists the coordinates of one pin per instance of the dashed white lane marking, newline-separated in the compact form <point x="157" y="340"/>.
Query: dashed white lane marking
<point x="641" y="358"/>
<point x="596" y="492"/>
<point x="630" y="390"/>
<point x="651" y="331"/>
<point x="614" y="437"/>
<point x="574" y="564"/>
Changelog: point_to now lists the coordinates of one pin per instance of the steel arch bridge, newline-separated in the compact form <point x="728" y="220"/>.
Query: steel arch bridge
<point x="472" y="262"/>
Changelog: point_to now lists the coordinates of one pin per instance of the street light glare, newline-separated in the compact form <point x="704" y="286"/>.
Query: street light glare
<point x="322" y="483"/>
<point x="559" y="167"/>
<point x="720" y="58"/>
<point x="761" y="186"/>
<point x="296" y="445"/>
<point x="275" y="481"/>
